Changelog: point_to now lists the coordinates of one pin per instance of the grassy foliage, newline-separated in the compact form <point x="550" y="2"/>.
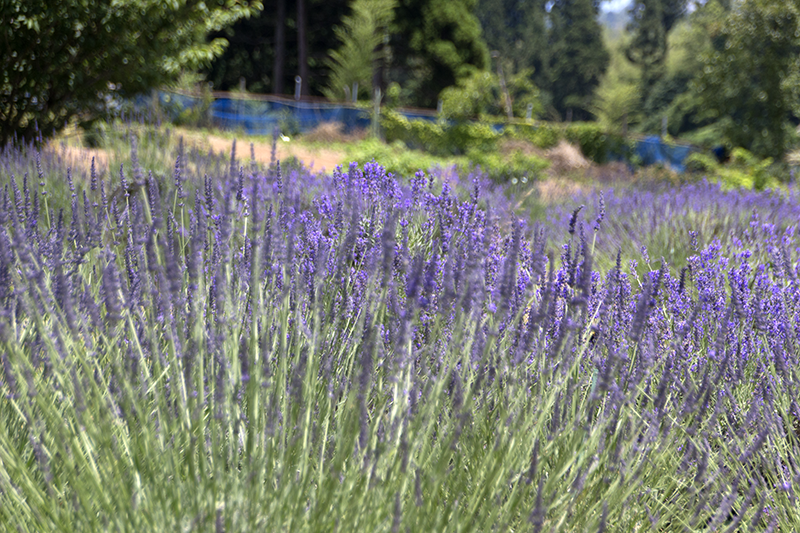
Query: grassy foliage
<point x="257" y="348"/>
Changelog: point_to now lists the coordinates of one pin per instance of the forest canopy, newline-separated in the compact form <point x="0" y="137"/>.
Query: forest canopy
<point x="75" y="58"/>
<point x="725" y="72"/>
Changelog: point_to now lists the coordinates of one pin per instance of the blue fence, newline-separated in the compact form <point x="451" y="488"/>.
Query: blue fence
<point x="262" y="116"/>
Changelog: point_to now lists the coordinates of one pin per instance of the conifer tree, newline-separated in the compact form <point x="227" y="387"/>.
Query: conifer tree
<point x="578" y="56"/>
<point x="517" y="30"/>
<point x="435" y="43"/>
<point x="361" y="35"/>
<point x="651" y="21"/>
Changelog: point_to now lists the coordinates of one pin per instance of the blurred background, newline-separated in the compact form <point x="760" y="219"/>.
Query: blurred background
<point x="708" y="75"/>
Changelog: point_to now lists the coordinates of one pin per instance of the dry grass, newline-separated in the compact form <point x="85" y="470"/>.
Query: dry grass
<point x="511" y="146"/>
<point x="566" y="158"/>
<point x="333" y="132"/>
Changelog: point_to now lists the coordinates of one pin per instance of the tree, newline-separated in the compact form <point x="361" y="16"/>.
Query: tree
<point x="517" y="30"/>
<point x="480" y="96"/>
<point x="265" y="49"/>
<point x="751" y="85"/>
<point x="578" y="56"/>
<point x="434" y="43"/>
<point x="651" y="22"/>
<point x="362" y="36"/>
<point x="65" y="59"/>
<point x="280" y="48"/>
<point x="252" y="54"/>
<point x="671" y="95"/>
<point x="302" y="46"/>
<point x="617" y="99"/>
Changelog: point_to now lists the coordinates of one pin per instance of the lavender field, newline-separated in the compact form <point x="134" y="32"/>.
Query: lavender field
<point x="220" y="346"/>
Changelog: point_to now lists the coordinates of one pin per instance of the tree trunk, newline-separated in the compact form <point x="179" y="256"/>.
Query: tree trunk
<point x="280" y="48"/>
<point x="302" y="45"/>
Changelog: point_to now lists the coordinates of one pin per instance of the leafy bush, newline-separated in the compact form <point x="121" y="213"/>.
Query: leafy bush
<point x="435" y="137"/>
<point x="94" y="135"/>
<point x="194" y="112"/>
<point x="541" y="134"/>
<point x="594" y="142"/>
<point x="744" y="170"/>
<point x="505" y="168"/>
<point x="480" y="96"/>
<point x="417" y="134"/>
<point x="463" y="137"/>
<point x="700" y="162"/>
<point x="398" y="159"/>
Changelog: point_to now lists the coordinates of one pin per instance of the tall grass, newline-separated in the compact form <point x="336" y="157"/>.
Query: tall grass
<point x="256" y="349"/>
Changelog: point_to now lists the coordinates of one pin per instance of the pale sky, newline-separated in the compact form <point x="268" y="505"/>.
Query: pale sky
<point x="614" y="5"/>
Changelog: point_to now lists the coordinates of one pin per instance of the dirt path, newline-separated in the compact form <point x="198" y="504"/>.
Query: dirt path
<point x="317" y="159"/>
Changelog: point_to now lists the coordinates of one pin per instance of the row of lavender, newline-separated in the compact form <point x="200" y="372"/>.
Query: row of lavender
<point x="263" y="348"/>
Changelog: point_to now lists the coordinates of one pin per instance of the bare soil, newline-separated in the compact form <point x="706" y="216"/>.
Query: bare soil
<point x="317" y="159"/>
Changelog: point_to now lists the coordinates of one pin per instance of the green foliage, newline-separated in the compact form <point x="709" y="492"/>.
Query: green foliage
<point x="78" y="58"/>
<point x="400" y="161"/>
<point x="434" y="43"/>
<point x="541" y="134"/>
<point x="752" y="82"/>
<point x="699" y="162"/>
<point x="671" y="95"/>
<point x="648" y="49"/>
<point x="651" y="22"/>
<point x="744" y="170"/>
<point x="463" y="137"/>
<point x="436" y="137"/>
<point x="480" y="95"/>
<point x="709" y="136"/>
<point x="513" y="167"/>
<point x="361" y="35"/>
<point x="517" y="30"/>
<point x="393" y="92"/>
<point x="578" y="56"/>
<point x="416" y="134"/>
<point x="197" y="115"/>
<point x="397" y="158"/>
<point x="594" y="142"/>
<point x="617" y="98"/>
<point x="743" y="160"/>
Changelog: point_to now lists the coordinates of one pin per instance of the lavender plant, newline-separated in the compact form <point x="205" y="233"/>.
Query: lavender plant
<point x="257" y="349"/>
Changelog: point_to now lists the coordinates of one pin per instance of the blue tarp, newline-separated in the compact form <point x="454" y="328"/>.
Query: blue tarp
<point x="258" y="117"/>
<point x="263" y="116"/>
<point x="653" y="149"/>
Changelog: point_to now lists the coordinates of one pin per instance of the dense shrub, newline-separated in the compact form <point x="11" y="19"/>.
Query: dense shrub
<point x="743" y="170"/>
<point x="509" y="167"/>
<point x="701" y="162"/>
<point x="463" y="137"/>
<point x="541" y="134"/>
<point x="417" y="134"/>
<point x="397" y="159"/>
<point x="480" y="96"/>
<point x="595" y="143"/>
<point x="438" y="138"/>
